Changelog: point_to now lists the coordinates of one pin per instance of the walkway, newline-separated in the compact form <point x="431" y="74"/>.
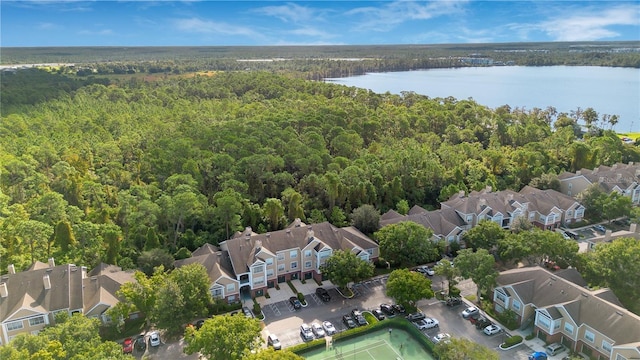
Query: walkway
<point x="285" y="291"/>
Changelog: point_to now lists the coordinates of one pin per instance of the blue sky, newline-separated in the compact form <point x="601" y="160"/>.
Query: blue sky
<point x="212" y="23"/>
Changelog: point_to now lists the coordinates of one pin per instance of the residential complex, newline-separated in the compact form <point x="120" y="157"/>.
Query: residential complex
<point x="560" y="308"/>
<point x="546" y="209"/>
<point x="29" y="300"/>
<point x="621" y="178"/>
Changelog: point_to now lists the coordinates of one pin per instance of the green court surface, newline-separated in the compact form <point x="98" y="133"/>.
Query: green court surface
<point x="378" y="345"/>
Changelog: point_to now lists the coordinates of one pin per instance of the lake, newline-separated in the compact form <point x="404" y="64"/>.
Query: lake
<point x="605" y="89"/>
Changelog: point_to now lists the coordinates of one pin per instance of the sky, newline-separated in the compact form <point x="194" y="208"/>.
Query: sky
<point x="223" y="23"/>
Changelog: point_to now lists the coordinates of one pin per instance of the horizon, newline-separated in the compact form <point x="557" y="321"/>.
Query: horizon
<point x="71" y="23"/>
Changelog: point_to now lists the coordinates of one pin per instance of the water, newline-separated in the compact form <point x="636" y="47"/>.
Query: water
<point x="377" y="345"/>
<point x="613" y="91"/>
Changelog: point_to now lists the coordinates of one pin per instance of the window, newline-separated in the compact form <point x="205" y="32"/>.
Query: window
<point x="231" y="287"/>
<point x="307" y="264"/>
<point x="36" y="321"/>
<point x="269" y="272"/>
<point x="370" y="251"/>
<point x="258" y="269"/>
<point x="280" y="267"/>
<point x="269" y="261"/>
<point x="294" y="265"/>
<point x="589" y="336"/>
<point x="568" y="328"/>
<point x="14" y="325"/>
<point x="606" y="346"/>
<point x="579" y="213"/>
<point x="293" y="254"/>
<point x="307" y="253"/>
<point x="569" y="212"/>
<point x="280" y="256"/>
<point x="500" y="296"/>
<point x="469" y="218"/>
<point x="516" y="305"/>
<point x="216" y="293"/>
<point x="543" y="321"/>
<point x="259" y="280"/>
<point x="532" y="216"/>
<point x="620" y="357"/>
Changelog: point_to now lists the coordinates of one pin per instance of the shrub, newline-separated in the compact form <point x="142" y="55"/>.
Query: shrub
<point x="256" y="308"/>
<point x="455" y="292"/>
<point x="301" y="298"/>
<point x="293" y="288"/>
<point x="517" y="339"/>
<point x="266" y="295"/>
<point x="530" y="336"/>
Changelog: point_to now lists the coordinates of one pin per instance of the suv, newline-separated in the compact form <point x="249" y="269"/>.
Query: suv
<point x="306" y="332"/>
<point x="358" y="317"/>
<point x="323" y="294"/>
<point x="554" y="349"/>
<point x="295" y="303"/>
<point x="387" y="309"/>
<point x="416" y="316"/>
<point x="398" y="308"/>
<point x="454" y="301"/>
<point x="348" y="321"/>
<point x="274" y="342"/>
<point x="482" y="323"/>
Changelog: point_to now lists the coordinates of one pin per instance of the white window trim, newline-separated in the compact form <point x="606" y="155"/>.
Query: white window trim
<point x="15" y="325"/>
<point x="593" y="336"/>
<point x="37" y="318"/>
<point x="293" y="265"/>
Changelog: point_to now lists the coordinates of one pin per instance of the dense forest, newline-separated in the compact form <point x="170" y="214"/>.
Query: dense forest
<point x="94" y="170"/>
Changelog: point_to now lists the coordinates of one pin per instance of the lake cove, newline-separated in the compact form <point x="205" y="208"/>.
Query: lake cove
<point x="607" y="90"/>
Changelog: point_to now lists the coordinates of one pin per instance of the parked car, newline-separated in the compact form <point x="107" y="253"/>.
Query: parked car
<point x="295" y="302"/>
<point x="358" y="317"/>
<point x="323" y="294"/>
<point x="154" y="339"/>
<point x="454" y="301"/>
<point x="538" y="355"/>
<point x="348" y="321"/>
<point x="444" y="337"/>
<point x="127" y="346"/>
<point x="317" y="329"/>
<point x="247" y="312"/>
<point x="482" y="323"/>
<point x="387" y="309"/>
<point x="378" y="314"/>
<point x="141" y="343"/>
<point x="274" y="342"/>
<point x="600" y="228"/>
<point x="492" y="329"/>
<point x="306" y="332"/>
<point x="554" y="349"/>
<point x="398" y="308"/>
<point x="328" y="327"/>
<point x="417" y="316"/>
<point x="470" y="311"/>
<point x="427" y="323"/>
<point x="198" y="324"/>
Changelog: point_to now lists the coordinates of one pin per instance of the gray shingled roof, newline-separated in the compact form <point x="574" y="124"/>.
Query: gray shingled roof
<point x="621" y="175"/>
<point x="442" y="222"/>
<point x="242" y="248"/>
<point x="217" y="263"/>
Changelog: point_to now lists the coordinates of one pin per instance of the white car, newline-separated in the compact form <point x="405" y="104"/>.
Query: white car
<point x="470" y="311"/>
<point x="306" y="332"/>
<point x="154" y="339"/>
<point x="444" y="337"/>
<point x="328" y="327"/>
<point x="427" y="323"/>
<point x="318" y="331"/>
<point x="492" y="329"/>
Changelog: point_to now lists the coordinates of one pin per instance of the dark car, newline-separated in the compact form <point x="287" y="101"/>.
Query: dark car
<point x="323" y="294"/>
<point x="482" y="323"/>
<point x="399" y="309"/>
<point x="198" y="324"/>
<point x="141" y="343"/>
<point x="387" y="309"/>
<point x="378" y="314"/>
<point x="455" y="301"/>
<point x="295" y="302"/>
<point x="358" y="317"/>
<point x="348" y="321"/>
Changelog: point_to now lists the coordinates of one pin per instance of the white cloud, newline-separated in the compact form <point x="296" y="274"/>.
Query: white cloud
<point x="47" y="26"/>
<point x="312" y="32"/>
<point x="289" y="13"/>
<point x="585" y="24"/>
<point x="388" y="16"/>
<point x="196" y="25"/>
<point x="99" y="32"/>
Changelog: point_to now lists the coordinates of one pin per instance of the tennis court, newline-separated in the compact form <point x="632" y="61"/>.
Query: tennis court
<point x="379" y="345"/>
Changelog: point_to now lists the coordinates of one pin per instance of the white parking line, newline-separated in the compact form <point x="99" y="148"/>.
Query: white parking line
<point x="275" y="309"/>
<point x="316" y="299"/>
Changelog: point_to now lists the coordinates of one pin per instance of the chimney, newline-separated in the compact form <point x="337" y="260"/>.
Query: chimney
<point x="614" y="166"/>
<point x="618" y="176"/>
<point x="634" y="228"/>
<point x="3" y="290"/>
<point x="579" y="172"/>
<point x="607" y="235"/>
<point x="268" y="235"/>
<point x="47" y="282"/>
<point x="248" y="231"/>
<point x="309" y="235"/>
<point x="258" y="245"/>
<point x="12" y="269"/>
<point x="297" y="222"/>
<point x="52" y="263"/>
<point x="488" y="189"/>
<point x="461" y="193"/>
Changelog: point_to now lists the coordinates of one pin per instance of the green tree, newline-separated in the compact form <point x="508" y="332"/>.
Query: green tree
<point x="343" y="267"/>
<point x="224" y="337"/>
<point x="148" y="261"/>
<point x="293" y="201"/>
<point x="407" y="287"/>
<point x="366" y="218"/>
<point x="139" y="295"/>
<point x="168" y="310"/>
<point x="463" y="349"/>
<point x="478" y="266"/>
<point x="152" y="240"/>
<point x="36" y="235"/>
<point x="193" y="283"/>
<point x="451" y="273"/>
<point x="273" y="213"/>
<point x="604" y="265"/>
<point x="486" y="235"/>
<point x="337" y="217"/>
<point x="406" y="244"/>
<point x="228" y="209"/>
<point x="402" y="207"/>
<point x="63" y="236"/>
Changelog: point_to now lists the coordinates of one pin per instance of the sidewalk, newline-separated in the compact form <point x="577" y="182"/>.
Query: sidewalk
<point x="285" y="291"/>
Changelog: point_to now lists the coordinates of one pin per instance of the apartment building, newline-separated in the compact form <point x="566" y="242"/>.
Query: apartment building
<point x="29" y="300"/>
<point x="621" y="178"/>
<point x="559" y="308"/>
<point x="260" y="261"/>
